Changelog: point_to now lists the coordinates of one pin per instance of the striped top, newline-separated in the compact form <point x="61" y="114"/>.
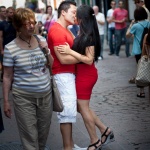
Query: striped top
<point x="30" y="72"/>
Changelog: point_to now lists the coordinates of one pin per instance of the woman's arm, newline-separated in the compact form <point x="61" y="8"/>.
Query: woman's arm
<point x="128" y="34"/>
<point x="143" y="47"/>
<point x="87" y="58"/>
<point x="7" y="82"/>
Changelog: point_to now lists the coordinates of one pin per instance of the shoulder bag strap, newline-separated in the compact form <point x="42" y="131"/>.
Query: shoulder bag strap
<point x="44" y="51"/>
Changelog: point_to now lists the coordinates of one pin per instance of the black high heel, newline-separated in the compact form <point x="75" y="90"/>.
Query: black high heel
<point x="95" y="145"/>
<point x="109" y="138"/>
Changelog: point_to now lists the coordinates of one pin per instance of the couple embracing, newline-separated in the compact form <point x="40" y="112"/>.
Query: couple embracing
<point x="75" y="72"/>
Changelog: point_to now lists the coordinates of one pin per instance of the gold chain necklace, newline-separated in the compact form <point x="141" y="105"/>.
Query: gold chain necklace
<point x="29" y="45"/>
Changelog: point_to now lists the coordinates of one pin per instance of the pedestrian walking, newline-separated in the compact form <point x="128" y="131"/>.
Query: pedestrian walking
<point x="26" y="72"/>
<point x="101" y="27"/>
<point x="120" y="17"/>
<point x="111" y="28"/>
<point x="136" y="29"/>
<point x="86" y="50"/>
<point x="7" y="33"/>
<point x="2" y="18"/>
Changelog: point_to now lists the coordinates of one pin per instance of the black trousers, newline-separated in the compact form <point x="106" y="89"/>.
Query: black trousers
<point x="1" y="122"/>
<point x="137" y="57"/>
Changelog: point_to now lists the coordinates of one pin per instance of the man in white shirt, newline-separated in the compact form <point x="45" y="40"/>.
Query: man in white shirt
<point x="101" y="24"/>
<point x="111" y="27"/>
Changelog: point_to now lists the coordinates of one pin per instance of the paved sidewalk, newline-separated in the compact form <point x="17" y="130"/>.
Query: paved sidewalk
<point x="114" y="101"/>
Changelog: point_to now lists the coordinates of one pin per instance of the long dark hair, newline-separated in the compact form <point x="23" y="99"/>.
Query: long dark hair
<point x="88" y="31"/>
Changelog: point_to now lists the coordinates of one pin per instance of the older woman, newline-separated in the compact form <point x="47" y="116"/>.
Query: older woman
<point x="25" y="70"/>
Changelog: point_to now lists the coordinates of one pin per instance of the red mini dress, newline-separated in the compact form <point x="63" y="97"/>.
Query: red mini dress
<point x="86" y="77"/>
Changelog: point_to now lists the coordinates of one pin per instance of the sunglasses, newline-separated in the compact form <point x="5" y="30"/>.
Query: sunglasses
<point x="30" y="23"/>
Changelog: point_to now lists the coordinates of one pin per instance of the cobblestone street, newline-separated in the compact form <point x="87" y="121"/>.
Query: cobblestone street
<point x="114" y="100"/>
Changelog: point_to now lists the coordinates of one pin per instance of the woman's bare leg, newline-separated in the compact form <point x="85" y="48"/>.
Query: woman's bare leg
<point x="89" y="121"/>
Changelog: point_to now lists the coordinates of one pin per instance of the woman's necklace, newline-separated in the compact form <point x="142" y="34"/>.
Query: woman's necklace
<point x="29" y="45"/>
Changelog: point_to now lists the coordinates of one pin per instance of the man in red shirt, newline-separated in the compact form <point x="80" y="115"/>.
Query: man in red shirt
<point x="120" y="17"/>
<point x="64" y="69"/>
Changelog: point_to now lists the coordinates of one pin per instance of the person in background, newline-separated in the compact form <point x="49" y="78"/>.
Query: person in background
<point x="74" y="29"/>
<point x="136" y="29"/>
<point x="41" y="29"/>
<point x="48" y="18"/>
<point x="39" y="14"/>
<point x="2" y="18"/>
<point x="120" y="17"/>
<point x="111" y="28"/>
<point x="142" y="4"/>
<point x="25" y="70"/>
<point x="101" y="27"/>
<point x="2" y="13"/>
<point x="7" y="32"/>
<point x="86" y="50"/>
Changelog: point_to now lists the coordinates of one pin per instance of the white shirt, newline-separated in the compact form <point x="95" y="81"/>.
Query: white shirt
<point x="100" y="17"/>
<point x="109" y="15"/>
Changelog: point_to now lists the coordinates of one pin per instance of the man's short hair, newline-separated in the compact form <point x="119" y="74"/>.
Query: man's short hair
<point x="65" y="5"/>
<point x="2" y="7"/>
<point x="9" y="8"/>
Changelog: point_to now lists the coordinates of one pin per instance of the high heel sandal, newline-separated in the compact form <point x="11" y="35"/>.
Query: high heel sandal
<point x="95" y="145"/>
<point x="141" y="95"/>
<point x="109" y="138"/>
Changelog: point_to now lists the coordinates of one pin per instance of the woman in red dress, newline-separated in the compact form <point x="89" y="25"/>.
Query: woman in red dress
<point x="86" y="50"/>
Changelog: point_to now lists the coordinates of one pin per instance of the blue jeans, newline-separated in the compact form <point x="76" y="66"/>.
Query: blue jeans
<point x="119" y="35"/>
<point x="102" y="44"/>
<point x="111" y="35"/>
